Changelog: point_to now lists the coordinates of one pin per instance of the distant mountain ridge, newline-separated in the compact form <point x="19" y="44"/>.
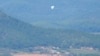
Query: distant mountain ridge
<point x="18" y="34"/>
<point x="68" y="14"/>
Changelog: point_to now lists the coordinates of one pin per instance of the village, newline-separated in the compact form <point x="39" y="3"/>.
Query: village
<point x="54" y="51"/>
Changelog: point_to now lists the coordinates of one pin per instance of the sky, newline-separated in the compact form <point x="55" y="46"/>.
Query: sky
<point x="50" y="12"/>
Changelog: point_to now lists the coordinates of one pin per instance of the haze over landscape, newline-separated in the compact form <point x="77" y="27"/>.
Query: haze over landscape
<point x="69" y="14"/>
<point x="49" y="28"/>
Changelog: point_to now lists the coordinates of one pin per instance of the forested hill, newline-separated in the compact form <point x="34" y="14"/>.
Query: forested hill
<point x="18" y="34"/>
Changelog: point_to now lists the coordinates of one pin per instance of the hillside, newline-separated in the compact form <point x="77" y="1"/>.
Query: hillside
<point x="17" y="34"/>
<point x="82" y="15"/>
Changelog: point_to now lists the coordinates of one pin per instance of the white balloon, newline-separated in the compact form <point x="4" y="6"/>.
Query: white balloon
<point x="52" y="7"/>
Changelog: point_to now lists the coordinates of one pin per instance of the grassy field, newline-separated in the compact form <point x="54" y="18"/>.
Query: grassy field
<point x="84" y="52"/>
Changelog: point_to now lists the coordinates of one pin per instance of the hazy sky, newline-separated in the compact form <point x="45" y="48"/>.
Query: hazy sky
<point x="35" y="11"/>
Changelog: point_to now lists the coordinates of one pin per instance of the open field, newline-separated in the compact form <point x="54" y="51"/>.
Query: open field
<point x="30" y="55"/>
<point x="34" y="54"/>
<point x="85" y="52"/>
